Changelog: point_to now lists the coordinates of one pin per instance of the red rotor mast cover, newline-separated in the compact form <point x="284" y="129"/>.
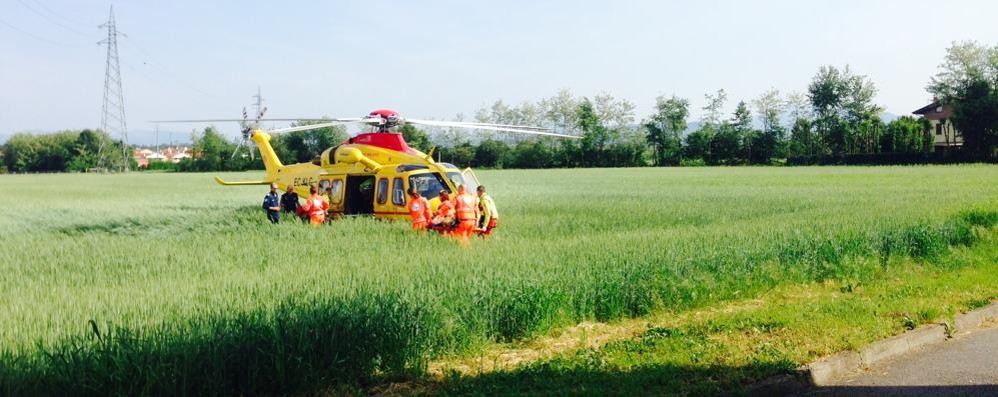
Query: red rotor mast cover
<point x="386" y="140"/>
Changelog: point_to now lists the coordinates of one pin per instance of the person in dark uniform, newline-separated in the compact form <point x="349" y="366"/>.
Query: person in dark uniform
<point x="289" y="201"/>
<point x="272" y="204"/>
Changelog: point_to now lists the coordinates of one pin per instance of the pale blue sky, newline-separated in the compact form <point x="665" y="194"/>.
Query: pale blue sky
<point x="434" y="59"/>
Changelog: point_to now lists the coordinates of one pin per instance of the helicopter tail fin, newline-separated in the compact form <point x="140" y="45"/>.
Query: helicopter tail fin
<point x="270" y="160"/>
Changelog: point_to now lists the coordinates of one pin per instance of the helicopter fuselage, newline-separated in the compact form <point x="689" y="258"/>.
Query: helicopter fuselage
<point x="369" y="174"/>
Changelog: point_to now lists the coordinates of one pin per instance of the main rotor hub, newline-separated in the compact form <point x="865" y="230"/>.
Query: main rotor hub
<point x="390" y="119"/>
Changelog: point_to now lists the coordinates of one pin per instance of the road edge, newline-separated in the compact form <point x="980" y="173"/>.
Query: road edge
<point x="821" y="372"/>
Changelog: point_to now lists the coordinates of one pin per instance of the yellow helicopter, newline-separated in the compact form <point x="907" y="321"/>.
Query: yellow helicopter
<point x="369" y="174"/>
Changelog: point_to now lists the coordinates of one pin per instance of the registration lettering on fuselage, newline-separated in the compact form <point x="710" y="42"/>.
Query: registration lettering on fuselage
<point x="304" y="181"/>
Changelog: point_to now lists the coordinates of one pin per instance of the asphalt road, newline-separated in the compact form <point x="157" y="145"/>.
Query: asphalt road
<point x="964" y="366"/>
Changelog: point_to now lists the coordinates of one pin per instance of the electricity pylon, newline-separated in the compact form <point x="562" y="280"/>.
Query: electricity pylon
<point x="112" y="119"/>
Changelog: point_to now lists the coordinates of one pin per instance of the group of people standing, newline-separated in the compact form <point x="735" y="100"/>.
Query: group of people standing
<point x="314" y="208"/>
<point x="460" y="215"/>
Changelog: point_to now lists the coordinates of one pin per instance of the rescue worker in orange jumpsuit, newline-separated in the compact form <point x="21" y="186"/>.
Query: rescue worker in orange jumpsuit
<point x="443" y="220"/>
<point x="466" y="211"/>
<point x="315" y="207"/>
<point x="419" y="210"/>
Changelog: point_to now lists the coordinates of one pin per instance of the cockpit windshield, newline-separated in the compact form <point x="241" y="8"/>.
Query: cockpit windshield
<point x="428" y="184"/>
<point x="456" y="178"/>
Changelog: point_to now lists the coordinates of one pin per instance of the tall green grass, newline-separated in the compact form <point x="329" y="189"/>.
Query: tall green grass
<point x="169" y="284"/>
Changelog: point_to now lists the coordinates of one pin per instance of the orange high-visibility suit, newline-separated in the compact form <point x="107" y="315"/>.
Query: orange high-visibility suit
<point x="466" y="210"/>
<point x="419" y="210"/>
<point x="315" y="207"/>
<point x="444" y="219"/>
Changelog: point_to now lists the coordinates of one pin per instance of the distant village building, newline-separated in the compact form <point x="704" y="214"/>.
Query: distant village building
<point x="140" y="157"/>
<point x="174" y="155"/>
<point x="947" y="137"/>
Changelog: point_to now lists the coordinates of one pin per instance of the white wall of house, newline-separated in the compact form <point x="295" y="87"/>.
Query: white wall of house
<point x="945" y="133"/>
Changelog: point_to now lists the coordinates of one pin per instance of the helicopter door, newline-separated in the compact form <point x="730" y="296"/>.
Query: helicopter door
<point x="359" y="195"/>
<point x="470" y="180"/>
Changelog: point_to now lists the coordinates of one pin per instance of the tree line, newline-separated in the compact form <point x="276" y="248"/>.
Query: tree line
<point x="73" y="151"/>
<point x="835" y="117"/>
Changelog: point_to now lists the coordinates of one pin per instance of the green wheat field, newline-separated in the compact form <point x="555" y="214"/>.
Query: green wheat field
<point x="170" y="284"/>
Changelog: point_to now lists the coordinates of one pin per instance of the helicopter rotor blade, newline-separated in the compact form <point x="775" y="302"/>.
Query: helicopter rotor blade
<point x="307" y="127"/>
<point x="519" y="127"/>
<point x="259" y="116"/>
<point x="373" y="120"/>
<point x="489" y="127"/>
<point x="341" y="120"/>
<point x="244" y="125"/>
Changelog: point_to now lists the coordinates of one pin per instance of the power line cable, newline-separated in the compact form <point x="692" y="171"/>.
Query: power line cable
<point x="50" y="19"/>
<point x="148" y="60"/>
<point x="58" y="15"/>
<point x="34" y="36"/>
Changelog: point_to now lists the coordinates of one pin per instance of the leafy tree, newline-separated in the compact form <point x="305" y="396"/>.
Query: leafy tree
<point x="713" y="108"/>
<point x="904" y="135"/>
<point x="666" y="127"/>
<point x="625" y="154"/>
<point x="568" y="154"/>
<point x="416" y="138"/>
<point x="975" y="115"/>
<point x="532" y="154"/>
<point x="726" y="145"/>
<point x="802" y="142"/>
<point x="765" y="145"/>
<point x="595" y="135"/>
<point x="741" y="122"/>
<point x="462" y="155"/>
<point x="613" y="114"/>
<point x="210" y="151"/>
<point x="20" y="152"/>
<point x="303" y="146"/>
<point x="489" y="153"/>
<point x="61" y="151"/>
<point x="498" y="113"/>
<point x="842" y="102"/>
<point x="560" y="112"/>
<point x="964" y="63"/>
<point x="827" y="92"/>
<point x="770" y="106"/>
<point x="968" y="82"/>
<point x="698" y="145"/>
<point x="82" y="161"/>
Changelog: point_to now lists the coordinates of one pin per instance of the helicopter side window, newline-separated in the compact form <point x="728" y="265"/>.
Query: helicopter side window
<point x="428" y="184"/>
<point x="382" y="190"/>
<point x="398" y="192"/>
<point x="337" y="194"/>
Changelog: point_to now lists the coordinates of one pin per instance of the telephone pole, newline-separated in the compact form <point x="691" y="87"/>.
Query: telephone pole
<point x="112" y="119"/>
